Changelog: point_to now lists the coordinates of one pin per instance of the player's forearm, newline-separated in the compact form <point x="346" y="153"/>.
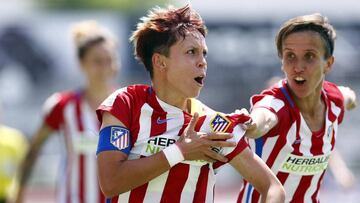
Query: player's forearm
<point x="27" y="166"/>
<point x="263" y="120"/>
<point x="275" y="194"/>
<point x="121" y="176"/>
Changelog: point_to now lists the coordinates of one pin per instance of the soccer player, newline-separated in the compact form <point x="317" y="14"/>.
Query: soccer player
<point x="295" y="122"/>
<point x="149" y="147"/>
<point x="13" y="147"/>
<point x="73" y="114"/>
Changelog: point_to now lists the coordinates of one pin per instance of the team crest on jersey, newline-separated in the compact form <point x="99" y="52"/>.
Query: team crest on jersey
<point x="120" y="137"/>
<point x="219" y="123"/>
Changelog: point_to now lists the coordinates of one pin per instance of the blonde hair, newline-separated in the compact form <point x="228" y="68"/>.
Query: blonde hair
<point x="85" y="34"/>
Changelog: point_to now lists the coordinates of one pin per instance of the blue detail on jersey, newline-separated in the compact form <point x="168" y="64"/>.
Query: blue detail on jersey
<point x="162" y="121"/>
<point x="285" y="92"/>
<point x="114" y="138"/>
<point x="259" y="143"/>
<point x="108" y="200"/>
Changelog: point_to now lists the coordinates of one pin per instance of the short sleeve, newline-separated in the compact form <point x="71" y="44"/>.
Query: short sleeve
<point x="118" y="104"/>
<point x="53" y="109"/>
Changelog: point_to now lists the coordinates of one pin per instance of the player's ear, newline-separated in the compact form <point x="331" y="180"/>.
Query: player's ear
<point x="159" y="62"/>
<point x="329" y="62"/>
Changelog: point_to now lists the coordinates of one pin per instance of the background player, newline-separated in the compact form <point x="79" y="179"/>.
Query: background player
<point x="73" y="114"/>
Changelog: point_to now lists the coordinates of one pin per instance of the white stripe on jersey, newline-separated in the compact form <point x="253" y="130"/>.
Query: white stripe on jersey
<point x="284" y="151"/>
<point x="210" y="186"/>
<point x="145" y="125"/>
<point x="155" y="188"/>
<point x="187" y="195"/>
<point x="72" y="129"/>
<point x="276" y="104"/>
<point x="91" y="130"/>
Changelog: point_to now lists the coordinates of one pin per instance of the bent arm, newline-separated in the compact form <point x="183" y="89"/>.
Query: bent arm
<point x="118" y="175"/>
<point x="37" y="141"/>
<point x="263" y="120"/>
<point x="257" y="173"/>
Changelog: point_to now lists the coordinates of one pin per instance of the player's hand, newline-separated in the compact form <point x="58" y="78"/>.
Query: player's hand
<point x="349" y="97"/>
<point x="197" y="146"/>
<point x="249" y="125"/>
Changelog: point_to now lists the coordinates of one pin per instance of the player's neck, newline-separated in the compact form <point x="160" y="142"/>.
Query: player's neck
<point x="95" y="94"/>
<point x="170" y="97"/>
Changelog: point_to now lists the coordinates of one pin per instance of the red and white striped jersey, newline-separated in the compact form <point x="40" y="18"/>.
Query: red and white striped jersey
<point x="69" y="113"/>
<point x="154" y="125"/>
<point x="296" y="155"/>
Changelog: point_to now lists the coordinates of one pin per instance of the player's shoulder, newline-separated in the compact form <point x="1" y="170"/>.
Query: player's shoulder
<point x="136" y="90"/>
<point x="61" y="98"/>
<point x="333" y="92"/>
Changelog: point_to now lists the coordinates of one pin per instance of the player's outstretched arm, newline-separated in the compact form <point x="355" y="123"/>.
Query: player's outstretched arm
<point x="349" y="97"/>
<point x="36" y="143"/>
<point x="257" y="173"/>
<point x="263" y="120"/>
<point x="117" y="174"/>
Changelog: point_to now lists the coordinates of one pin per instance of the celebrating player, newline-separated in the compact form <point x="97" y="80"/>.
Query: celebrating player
<point x="145" y="151"/>
<point x="296" y="121"/>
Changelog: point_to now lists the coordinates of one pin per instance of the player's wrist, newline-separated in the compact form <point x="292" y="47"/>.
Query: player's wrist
<point x="173" y="154"/>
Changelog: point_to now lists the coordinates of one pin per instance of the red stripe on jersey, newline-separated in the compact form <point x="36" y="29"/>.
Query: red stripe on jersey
<point x="241" y="194"/>
<point x="101" y="196"/>
<point x="201" y="186"/>
<point x="304" y="184"/>
<point x="282" y="177"/>
<point x="137" y="195"/>
<point x="315" y="195"/>
<point x="199" y="123"/>
<point x="175" y="183"/>
<point x="238" y="149"/>
<point x="158" y="127"/>
<point x="187" y="119"/>
<point x="317" y="142"/>
<point x="296" y="145"/>
<point x="255" y="196"/>
<point x="333" y="140"/>
<point x="78" y="114"/>
<point x="280" y="143"/>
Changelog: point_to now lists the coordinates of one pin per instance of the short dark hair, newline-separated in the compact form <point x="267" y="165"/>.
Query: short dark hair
<point x="314" y="22"/>
<point x="162" y="28"/>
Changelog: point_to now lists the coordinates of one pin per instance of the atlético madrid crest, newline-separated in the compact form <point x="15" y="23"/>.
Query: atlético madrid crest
<point x="120" y="137"/>
<point x="220" y="123"/>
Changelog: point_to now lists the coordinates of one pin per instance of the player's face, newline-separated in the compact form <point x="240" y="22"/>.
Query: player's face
<point x="186" y="66"/>
<point x="100" y="63"/>
<point x="304" y="64"/>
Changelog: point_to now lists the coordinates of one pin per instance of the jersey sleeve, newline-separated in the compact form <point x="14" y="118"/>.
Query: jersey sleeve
<point x="230" y="123"/>
<point x="336" y="97"/>
<point x="53" y="109"/>
<point x="266" y="101"/>
<point x="118" y="104"/>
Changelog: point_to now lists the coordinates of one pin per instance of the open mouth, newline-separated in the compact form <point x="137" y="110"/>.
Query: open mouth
<point x="299" y="80"/>
<point x="200" y="80"/>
